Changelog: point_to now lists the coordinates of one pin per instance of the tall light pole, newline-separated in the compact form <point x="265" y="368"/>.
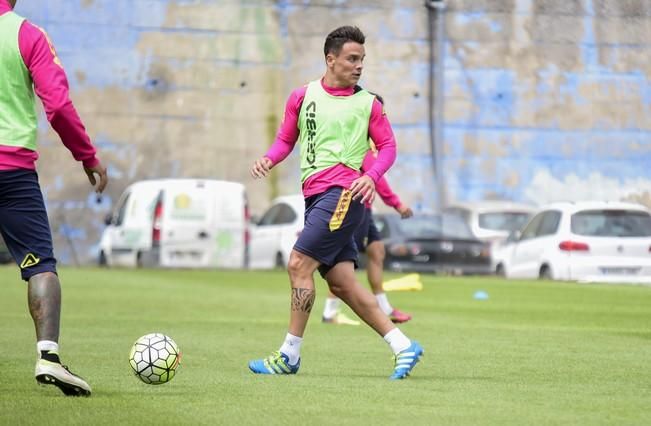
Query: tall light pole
<point x="436" y="18"/>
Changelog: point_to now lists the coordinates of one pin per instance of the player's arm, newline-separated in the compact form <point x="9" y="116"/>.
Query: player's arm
<point x="391" y="199"/>
<point x="380" y="131"/>
<point x="285" y="138"/>
<point x="51" y="86"/>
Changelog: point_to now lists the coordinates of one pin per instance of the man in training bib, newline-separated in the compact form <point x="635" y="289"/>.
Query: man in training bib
<point x="28" y="64"/>
<point x="333" y="118"/>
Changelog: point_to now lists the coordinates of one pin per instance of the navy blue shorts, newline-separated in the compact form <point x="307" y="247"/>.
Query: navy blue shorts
<point x="24" y="224"/>
<point x="330" y="222"/>
<point x="367" y="232"/>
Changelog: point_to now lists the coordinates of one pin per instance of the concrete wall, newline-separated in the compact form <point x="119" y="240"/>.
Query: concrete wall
<point x="544" y="100"/>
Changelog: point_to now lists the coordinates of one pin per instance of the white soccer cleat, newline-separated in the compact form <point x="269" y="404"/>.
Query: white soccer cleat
<point x="53" y="373"/>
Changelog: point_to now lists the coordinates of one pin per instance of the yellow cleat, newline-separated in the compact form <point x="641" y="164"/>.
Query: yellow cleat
<point x="340" y="319"/>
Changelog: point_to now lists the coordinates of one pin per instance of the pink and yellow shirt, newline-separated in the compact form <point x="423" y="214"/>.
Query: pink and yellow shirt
<point x="51" y="86"/>
<point x="379" y="131"/>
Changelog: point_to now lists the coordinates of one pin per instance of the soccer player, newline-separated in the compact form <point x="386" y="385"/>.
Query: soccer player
<point x="333" y="118"/>
<point x="367" y="238"/>
<point x="28" y="64"/>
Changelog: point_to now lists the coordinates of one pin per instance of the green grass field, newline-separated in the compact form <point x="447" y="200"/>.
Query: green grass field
<point x="534" y="353"/>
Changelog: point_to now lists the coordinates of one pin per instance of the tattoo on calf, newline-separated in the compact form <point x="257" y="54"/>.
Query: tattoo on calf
<point x="303" y="299"/>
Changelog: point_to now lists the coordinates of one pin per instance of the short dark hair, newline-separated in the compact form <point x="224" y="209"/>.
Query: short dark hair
<point x="342" y="35"/>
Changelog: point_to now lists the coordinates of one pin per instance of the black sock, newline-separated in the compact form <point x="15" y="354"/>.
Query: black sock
<point x="50" y="356"/>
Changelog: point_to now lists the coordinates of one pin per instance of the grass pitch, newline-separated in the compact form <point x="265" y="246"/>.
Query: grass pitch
<point x="533" y="353"/>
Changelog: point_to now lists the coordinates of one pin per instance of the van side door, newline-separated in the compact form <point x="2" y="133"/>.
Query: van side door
<point x="122" y="251"/>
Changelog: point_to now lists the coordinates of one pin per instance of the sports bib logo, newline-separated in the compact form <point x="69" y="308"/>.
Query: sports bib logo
<point x="310" y="123"/>
<point x="29" y="260"/>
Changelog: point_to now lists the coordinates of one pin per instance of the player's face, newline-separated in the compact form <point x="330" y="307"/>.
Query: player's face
<point x="347" y="66"/>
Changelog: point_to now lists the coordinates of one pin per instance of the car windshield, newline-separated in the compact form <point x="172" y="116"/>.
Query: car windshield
<point x="611" y="223"/>
<point x="503" y="221"/>
<point x="435" y="227"/>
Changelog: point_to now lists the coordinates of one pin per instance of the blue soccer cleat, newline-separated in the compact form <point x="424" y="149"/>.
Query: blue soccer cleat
<point x="276" y="363"/>
<point x="406" y="361"/>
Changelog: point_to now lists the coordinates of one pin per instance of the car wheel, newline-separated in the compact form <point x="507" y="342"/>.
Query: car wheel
<point x="500" y="270"/>
<point x="139" y="260"/>
<point x="101" y="261"/>
<point x="280" y="261"/>
<point x="545" y="273"/>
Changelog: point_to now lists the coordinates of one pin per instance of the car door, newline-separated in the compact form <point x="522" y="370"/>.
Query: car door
<point x="290" y="226"/>
<point x="536" y="243"/>
<point x="265" y="237"/>
<point x="520" y="260"/>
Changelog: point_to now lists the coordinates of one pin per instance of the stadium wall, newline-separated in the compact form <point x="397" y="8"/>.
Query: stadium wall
<point x="544" y="100"/>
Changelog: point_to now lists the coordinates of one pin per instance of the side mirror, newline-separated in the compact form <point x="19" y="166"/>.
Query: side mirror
<point x="108" y="219"/>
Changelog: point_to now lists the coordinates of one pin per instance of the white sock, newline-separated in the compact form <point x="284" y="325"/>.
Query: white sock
<point x="331" y="308"/>
<point x="46" y="345"/>
<point x="383" y="301"/>
<point x="292" y="348"/>
<point x="397" y="340"/>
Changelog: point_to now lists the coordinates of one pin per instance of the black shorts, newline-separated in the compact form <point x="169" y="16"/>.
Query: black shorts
<point x="24" y="224"/>
<point x="330" y="222"/>
<point x="367" y="232"/>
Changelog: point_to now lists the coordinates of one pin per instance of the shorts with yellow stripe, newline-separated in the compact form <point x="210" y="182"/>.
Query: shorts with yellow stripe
<point x="331" y="219"/>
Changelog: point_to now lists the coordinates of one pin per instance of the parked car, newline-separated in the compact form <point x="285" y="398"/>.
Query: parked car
<point x="187" y="223"/>
<point x="274" y="234"/>
<point x="492" y="221"/>
<point x="5" y="256"/>
<point x="432" y="243"/>
<point x="586" y="241"/>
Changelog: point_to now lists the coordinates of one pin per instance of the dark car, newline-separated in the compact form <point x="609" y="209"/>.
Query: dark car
<point x="5" y="256"/>
<point x="432" y="243"/>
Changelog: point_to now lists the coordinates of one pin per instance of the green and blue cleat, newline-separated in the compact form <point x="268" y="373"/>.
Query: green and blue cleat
<point x="276" y="363"/>
<point x="406" y="360"/>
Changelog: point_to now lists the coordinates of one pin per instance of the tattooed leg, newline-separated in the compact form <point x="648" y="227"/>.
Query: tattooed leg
<point x="301" y="269"/>
<point x="303" y="299"/>
<point x="44" y="299"/>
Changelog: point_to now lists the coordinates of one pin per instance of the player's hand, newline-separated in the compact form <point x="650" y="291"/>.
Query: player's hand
<point x="101" y="172"/>
<point x="405" y="211"/>
<point x="261" y="168"/>
<point x="363" y="188"/>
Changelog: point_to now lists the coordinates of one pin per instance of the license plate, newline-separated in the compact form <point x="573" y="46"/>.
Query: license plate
<point x="619" y="270"/>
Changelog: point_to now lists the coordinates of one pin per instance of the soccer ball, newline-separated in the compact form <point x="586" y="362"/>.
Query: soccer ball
<point x="154" y="358"/>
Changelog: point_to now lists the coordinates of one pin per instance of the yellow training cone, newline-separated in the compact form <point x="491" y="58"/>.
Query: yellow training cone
<point x="409" y="282"/>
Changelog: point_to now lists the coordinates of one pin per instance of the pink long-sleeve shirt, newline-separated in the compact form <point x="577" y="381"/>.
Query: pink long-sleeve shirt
<point x="379" y="130"/>
<point x="51" y="86"/>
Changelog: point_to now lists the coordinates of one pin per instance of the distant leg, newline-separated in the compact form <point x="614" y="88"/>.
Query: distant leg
<point x="374" y="271"/>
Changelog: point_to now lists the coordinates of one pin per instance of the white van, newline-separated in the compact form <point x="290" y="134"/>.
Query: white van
<point x="178" y="223"/>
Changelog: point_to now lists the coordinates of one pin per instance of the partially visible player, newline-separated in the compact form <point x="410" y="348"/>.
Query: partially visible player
<point x="333" y="118"/>
<point x="368" y="239"/>
<point x="28" y="64"/>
